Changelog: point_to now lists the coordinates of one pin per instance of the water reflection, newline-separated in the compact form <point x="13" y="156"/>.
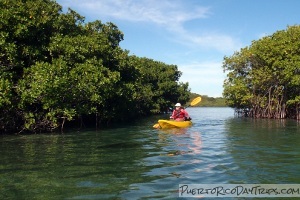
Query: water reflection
<point x="265" y="151"/>
<point x="196" y="143"/>
<point x="187" y="143"/>
<point x="178" y="159"/>
<point x="90" y="163"/>
<point x="176" y="131"/>
<point x="139" y="162"/>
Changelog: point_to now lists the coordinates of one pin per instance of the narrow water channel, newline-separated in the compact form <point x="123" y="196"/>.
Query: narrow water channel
<point x="137" y="161"/>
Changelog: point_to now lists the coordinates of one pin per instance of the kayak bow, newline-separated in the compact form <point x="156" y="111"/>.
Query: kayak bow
<point x="172" y="124"/>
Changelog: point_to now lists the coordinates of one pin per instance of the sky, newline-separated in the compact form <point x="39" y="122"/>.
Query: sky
<point x="195" y="35"/>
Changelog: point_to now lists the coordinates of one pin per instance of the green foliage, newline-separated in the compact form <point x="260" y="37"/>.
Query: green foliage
<point x="56" y="68"/>
<point x="157" y="87"/>
<point x="263" y="79"/>
<point x="5" y="89"/>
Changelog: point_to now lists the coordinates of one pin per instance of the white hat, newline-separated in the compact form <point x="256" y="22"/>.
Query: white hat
<point x="178" y="104"/>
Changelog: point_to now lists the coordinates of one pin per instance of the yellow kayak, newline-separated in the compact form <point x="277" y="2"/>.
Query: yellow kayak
<point x="173" y="124"/>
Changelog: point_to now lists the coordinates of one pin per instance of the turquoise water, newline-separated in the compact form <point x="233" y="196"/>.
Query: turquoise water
<point x="139" y="162"/>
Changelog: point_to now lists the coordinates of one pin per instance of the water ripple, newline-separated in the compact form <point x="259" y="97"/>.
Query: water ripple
<point x="139" y="162"/>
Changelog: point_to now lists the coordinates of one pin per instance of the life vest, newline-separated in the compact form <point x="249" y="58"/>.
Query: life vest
<point x="179" y="114"/>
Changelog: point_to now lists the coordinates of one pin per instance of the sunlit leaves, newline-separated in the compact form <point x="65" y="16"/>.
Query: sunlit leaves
<point x="56" y="68"/>
<point x="266" y="74"/>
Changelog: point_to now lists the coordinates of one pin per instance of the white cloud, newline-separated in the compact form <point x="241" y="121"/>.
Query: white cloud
<point x="208" y="72"/>
<point x="222" y="43"/>
<point x="166" y="12"/>
<point x="170" y="15"/>
<point x="204" y="78"/>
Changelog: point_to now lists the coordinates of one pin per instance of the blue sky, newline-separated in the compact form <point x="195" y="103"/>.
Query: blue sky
<point x="195" y="35"/>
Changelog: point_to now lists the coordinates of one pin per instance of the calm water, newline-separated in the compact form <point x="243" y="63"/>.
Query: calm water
<point x="139" y="162"/>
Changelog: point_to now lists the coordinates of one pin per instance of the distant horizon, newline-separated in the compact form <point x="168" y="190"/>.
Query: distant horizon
<point x="206" y="95"/>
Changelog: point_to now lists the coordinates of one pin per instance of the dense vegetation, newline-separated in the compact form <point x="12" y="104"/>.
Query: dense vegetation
<point x="55" y="68"/>
<point x="263" y="79"/>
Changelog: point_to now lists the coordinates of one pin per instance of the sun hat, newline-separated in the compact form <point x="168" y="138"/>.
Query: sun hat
<point x="177" y="104"/>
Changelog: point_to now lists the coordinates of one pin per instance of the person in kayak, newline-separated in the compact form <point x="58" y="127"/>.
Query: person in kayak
<point x="180" y="114"/>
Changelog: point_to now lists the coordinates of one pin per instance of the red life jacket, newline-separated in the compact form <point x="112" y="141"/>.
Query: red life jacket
<point x="178" y="114"/>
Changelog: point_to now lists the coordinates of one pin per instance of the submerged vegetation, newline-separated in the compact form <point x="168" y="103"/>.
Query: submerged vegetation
<point x="55" y="68"/>
<point x="263" y="80"/>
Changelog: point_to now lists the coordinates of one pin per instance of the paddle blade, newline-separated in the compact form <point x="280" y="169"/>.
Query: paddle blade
<point x="196" y="101"/>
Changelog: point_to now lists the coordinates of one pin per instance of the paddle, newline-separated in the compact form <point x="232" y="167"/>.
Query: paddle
<point x="193" y="103"/>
